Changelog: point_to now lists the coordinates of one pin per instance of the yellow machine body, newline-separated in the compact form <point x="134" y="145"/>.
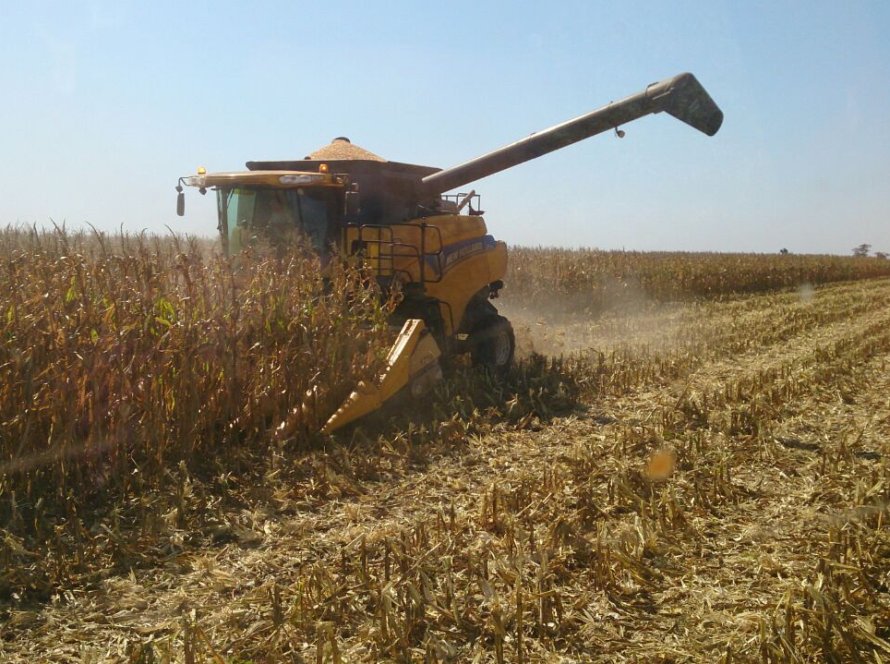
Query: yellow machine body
<point x="452" y="255"/>
<point x="442" y="265"/>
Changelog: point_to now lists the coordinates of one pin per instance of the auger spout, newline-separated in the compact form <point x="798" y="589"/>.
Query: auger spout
<point x="681" y="96"/>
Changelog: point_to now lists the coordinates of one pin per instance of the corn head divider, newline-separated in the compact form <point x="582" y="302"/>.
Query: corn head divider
<point x="412" y="360"/>
<point x="397" y="221"/>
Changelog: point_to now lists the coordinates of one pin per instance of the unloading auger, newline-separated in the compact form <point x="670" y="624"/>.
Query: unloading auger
<point x="409" y="234"/>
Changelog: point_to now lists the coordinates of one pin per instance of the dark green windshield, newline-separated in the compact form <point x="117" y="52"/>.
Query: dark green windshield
<point x="251" y="215"/>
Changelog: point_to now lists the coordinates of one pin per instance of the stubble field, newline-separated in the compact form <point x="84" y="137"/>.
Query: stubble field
<point x="666" y="476"/>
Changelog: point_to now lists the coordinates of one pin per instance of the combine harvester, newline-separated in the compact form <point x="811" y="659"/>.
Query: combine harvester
<point x="434" y="248"/>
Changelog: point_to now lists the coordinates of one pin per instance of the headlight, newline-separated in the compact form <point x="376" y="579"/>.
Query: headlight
<point x="194" y="181"/>
<point x="300" y="179"/>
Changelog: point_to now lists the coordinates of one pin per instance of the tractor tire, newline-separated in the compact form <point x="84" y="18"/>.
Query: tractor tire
<point x="493" y="344"/>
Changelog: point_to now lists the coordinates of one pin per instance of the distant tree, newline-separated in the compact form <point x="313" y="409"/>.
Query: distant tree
<point x="883" y="255"/>
<point x="862" y="250"/>
<point x="783" y="251"/>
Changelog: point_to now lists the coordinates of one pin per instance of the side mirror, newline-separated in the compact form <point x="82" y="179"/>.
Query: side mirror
<point x="180" y="204"/>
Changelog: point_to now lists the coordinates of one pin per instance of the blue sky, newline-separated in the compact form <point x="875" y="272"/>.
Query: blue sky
<point x="105" y="104"/>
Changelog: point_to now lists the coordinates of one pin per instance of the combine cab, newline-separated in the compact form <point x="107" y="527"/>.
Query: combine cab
<point x="397" y="220"/>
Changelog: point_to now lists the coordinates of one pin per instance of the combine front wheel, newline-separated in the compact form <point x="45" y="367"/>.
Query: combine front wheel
<point x="493" y="344"/>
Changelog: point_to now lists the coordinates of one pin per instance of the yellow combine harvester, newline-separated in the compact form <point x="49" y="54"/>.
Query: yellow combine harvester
<point x="433" y="247"/>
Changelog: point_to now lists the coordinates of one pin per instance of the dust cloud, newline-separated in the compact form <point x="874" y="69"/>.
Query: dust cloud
<point x="562" y="327"/>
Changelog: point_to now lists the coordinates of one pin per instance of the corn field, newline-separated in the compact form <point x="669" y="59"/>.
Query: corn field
<point x="703" y="479"/>
<point x="123" y="358"/>
<point x="592" y="279"/>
